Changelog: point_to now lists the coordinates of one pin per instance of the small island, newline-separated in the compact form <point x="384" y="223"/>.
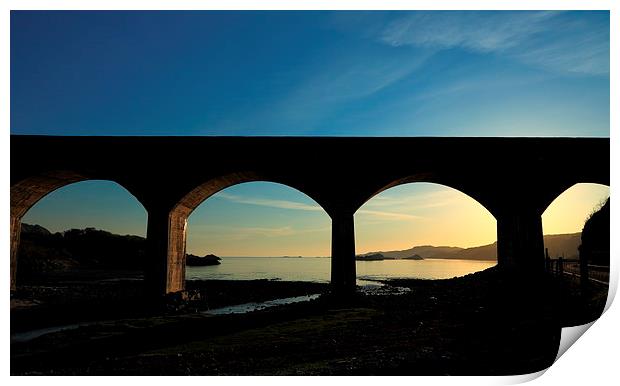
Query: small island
<point x="370" y="257"/>
<point x="201" y="261"/>
<point x="413" y="257"/>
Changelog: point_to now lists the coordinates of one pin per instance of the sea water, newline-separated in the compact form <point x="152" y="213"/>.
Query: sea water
<point x="317" y="269"/>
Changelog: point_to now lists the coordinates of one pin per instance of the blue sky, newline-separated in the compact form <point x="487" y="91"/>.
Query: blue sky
<point x="310" y="73"/>
<point x="439" y="73"/>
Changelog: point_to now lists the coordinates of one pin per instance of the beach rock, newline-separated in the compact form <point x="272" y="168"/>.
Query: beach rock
<point x="199" y="261"/>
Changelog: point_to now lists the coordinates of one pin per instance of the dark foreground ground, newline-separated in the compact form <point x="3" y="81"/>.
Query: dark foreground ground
<point x="480" y="324"/>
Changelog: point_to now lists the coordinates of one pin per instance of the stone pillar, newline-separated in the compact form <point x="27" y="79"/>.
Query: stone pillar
<point x="520" y="245"/>
<point x="343" y="253"/>
<point x="16" y="227"/>
<point x="165" y="264"/>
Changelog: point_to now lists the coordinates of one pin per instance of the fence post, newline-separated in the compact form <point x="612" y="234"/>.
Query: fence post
<point x="583" y="272"/>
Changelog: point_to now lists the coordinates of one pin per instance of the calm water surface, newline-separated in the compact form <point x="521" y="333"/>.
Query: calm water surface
<point x="318" y="269"/>
<point x="302" y="269"/>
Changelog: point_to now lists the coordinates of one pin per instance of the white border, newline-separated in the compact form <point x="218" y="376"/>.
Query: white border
<point x="592" y="361"/>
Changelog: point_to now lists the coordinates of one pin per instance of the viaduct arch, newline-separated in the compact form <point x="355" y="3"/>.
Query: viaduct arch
<point x="175" y="233"/>
<point x="514" y="178"/>
<point x="27" y="192"/>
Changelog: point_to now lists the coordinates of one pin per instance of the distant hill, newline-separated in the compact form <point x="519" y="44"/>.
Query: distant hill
<point x="424" y="251"/>
<point x="42" y="251"/>
<point x="558" y="245"/>
<point x="484" y="252"/>
<point x="566" y="245"/>
<point x="34" y="230"/>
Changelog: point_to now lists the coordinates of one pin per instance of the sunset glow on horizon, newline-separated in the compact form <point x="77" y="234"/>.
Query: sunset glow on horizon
<point x="269" y="219"/>
<point x="570" y="210"/>
<point x="430" y="214"/>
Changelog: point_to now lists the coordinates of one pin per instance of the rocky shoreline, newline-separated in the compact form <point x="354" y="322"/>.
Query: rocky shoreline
<point x="475" y="324"/>
<point x="85" y="296"/>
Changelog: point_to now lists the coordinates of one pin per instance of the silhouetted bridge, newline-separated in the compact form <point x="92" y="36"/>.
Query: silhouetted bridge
<point x="514" y="178"/>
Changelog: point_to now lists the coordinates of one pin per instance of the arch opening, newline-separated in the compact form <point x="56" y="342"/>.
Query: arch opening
<point x="258" y="230"/>
<point x="83" y="238"/>
<point x="177" y="219"/>
<point x="423" y="230"/>
<point x="569" y="211"/>
<point x="565" y="224"/>
<point x="186" y="205"/>
<point x="576" y="226"/>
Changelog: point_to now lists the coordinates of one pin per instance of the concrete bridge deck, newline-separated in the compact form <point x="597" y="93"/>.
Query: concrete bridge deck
<point x="514" y="178"/>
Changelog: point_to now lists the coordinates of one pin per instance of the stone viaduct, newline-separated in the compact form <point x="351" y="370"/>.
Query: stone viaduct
<point x="514" y="178"/>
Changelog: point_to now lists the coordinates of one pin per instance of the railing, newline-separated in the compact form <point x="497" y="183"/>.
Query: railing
<point x="572" y="267"/>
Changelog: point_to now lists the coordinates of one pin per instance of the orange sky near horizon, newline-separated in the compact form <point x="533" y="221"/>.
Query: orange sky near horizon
<point x="428" y="214"/>
<point x="570" y="210"/>
<point x="267" y="219"/>
<point x="398" y="218"/>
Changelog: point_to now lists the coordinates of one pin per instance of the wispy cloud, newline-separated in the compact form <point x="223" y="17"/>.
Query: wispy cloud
<point x="285" y="204"/>
<point x="408" y="205"/>
<point x="344" y="80"/>
<point x="234" y="233"/>
<point x="356" y="80"/>
<point x="390" y="215"/>
<point x="479" y="31"/>
<point x="585" y="52"/>
<point x="264" y="231"/>
<point x="542" y="38"/>
<point x="280" y="204"/>
<point x="414" y="201"/>
<point x="372" y="208"/>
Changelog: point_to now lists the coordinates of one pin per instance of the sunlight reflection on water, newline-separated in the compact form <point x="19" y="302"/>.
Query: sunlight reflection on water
<point x="318" y="269"/>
